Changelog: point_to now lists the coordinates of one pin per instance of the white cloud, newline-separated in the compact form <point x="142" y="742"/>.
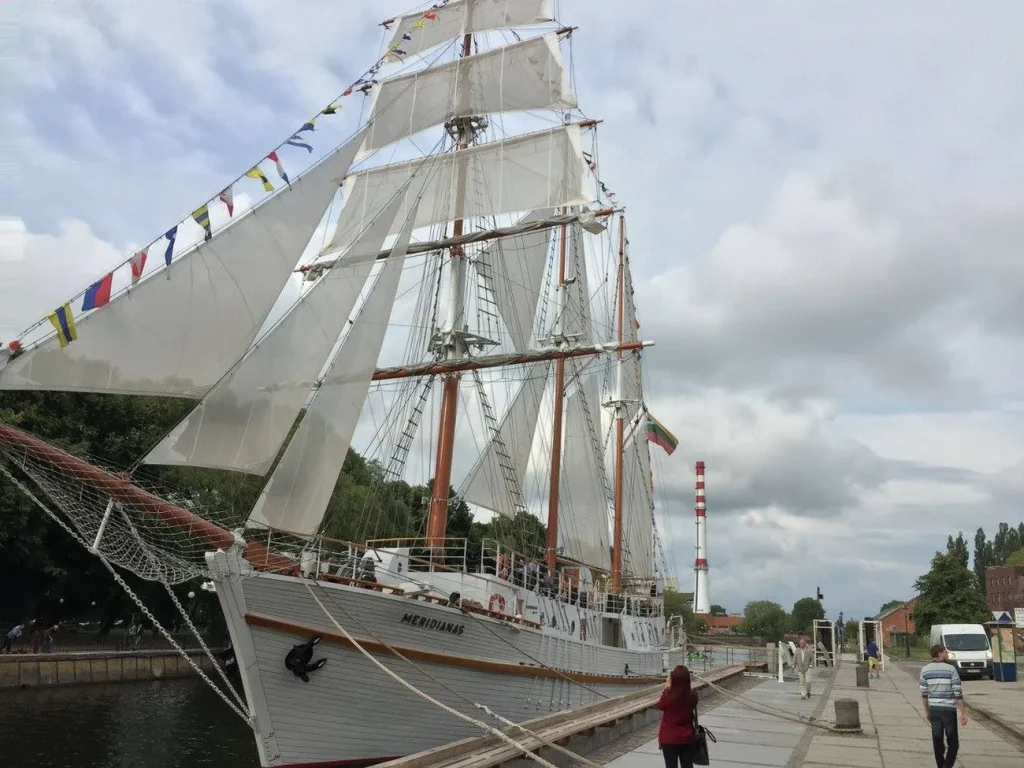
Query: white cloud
<point x="825" y="220"/>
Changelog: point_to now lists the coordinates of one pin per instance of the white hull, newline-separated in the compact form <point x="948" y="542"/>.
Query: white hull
<point x="351" y="712"/>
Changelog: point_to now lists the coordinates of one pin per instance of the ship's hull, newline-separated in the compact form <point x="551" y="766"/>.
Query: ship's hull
<point x="351" y="712"/>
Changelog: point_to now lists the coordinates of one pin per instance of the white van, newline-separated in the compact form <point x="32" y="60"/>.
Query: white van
<point x="967" y="647"/>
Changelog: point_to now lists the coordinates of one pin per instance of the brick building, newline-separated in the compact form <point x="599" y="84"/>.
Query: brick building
<point x="898" y="621"/>
<point x="1004" y="588"/>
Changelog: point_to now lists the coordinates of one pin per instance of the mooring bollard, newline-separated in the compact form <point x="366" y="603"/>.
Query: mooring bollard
<point x="847" y="715"/>
<point x="862" y="675"/>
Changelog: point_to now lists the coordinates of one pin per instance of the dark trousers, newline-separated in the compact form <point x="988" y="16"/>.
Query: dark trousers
<point x="680" y="755"/>
<point x="944" y="724"/>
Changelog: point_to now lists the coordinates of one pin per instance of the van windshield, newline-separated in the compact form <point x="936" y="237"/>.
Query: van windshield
<point x="966" y="642"/>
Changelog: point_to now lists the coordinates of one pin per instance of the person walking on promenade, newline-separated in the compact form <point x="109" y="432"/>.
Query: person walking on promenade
<point x="942" y="692"/>
<point x="803" y="660"/>
<point x="11" y="636"/>
<point x="677" y="734"/>
<point x="874" y="659"/>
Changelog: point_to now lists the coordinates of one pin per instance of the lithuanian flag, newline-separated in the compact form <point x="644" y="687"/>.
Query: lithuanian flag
<point x="657" y="434"/>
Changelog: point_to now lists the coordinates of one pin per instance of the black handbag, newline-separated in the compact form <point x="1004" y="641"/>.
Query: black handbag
<point x="701" y="756"/>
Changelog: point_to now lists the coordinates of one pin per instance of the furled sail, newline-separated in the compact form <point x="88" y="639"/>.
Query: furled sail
<point x="296" y="497"/>
<point x="243" y="421"/>
<point x="418" y="32"/>
<point x="495" y="482"/>
<point x="583" y="503"/>
<point x="526" y="75"/>
<point x="537" y="170"/>
<point x="514" y="270"/>
<point x="180" y="335"/>
<point x="638" y="523"/>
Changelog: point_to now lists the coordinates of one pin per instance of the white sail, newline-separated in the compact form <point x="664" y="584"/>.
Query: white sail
<point x="180" y="335"/>
<point x="583" y="502"/>
<point x="296" y="497"/>
<point x="514" y="269"/>
<point x="576" y="323"/>
<point x="632" y="387"/>
<point x="495" y="482"/>
<point x="243" y="421"/>
<point x="638" y="523"/>
<point x="537" y="170"/>
<point x="465" y="16"/>
<point x="526" y="75"/>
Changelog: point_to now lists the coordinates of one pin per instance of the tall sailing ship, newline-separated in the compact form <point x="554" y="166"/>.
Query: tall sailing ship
<point x="473" y="300"/>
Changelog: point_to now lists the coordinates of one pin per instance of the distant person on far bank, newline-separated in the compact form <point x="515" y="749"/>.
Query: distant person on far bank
<point x="874" y="659"/>
<point x="942" y="691"/>
<point x="677" y="735"/>
<point x="15" y="632"/>
<point x="803" y="660"/>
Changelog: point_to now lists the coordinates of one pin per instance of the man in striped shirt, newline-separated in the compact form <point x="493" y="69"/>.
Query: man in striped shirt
<point x="943" y="692"/>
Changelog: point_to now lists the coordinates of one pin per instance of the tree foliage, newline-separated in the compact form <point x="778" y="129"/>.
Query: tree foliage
<point x="676" y="604"/>
<point x="1016" y="558"/>
<point x="763" y="618"/>
<point x="958" y="548"/>
<point x="718" y="610"/>
<point x="998" y="550"/>
<point x="805" y="611"/>
<point x="949" y="594"/>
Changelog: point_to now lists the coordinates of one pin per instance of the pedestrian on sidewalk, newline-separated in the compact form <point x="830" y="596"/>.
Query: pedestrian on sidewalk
<point x="942" y="691"/>
<point x="874" y="659"/>
<point x="677" y="735"/>
<point x="803" y="660"/>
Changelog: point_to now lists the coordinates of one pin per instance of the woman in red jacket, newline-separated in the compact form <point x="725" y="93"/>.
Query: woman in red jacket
<point x="678" y="704"/>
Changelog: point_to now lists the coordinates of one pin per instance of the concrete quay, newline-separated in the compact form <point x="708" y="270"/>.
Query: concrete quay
<point x="23" y="670"/>
<point x="894" y="734"/>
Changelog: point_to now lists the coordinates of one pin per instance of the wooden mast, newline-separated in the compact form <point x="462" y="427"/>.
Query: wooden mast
<point x="551" y="550"/>
<point x="437" y="516"/>
<point x="619" y="426"/>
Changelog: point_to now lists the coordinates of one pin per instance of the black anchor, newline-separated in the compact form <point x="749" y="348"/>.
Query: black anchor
<point x="298" y="659"/>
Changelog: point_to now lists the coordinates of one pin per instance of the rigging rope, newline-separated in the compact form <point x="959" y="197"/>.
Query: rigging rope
<point x="422" y="694"/>
<point x="245" y="715"/>
<point x="427" y="673"/>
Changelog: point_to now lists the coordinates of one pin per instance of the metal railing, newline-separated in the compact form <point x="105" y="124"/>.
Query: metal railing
<point x="360" y="563"/>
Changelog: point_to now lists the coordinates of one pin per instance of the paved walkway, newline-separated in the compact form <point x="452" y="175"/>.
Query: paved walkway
<point x="745" y="736"/>
<point x="895" y="733"/>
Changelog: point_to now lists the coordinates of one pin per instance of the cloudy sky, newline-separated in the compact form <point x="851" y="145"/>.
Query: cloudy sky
<point x="826" y="221"/>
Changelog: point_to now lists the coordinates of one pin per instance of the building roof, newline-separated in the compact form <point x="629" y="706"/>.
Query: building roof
<point x="890" y="611"/>
<point x="724" y="622"/>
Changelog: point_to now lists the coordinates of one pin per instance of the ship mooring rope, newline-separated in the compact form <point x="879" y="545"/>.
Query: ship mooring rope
<point x="423" y="694"/>
<point x="457" y="694"/>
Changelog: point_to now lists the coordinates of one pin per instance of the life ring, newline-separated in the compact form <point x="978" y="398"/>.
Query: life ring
<point x="503" y="569"/>
<point x="496" y="603"/>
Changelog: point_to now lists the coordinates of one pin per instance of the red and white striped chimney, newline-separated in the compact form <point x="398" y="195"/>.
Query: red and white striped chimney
<point x="701" y="596"/>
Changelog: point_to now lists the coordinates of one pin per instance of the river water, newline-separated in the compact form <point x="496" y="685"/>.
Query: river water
<point x="159" y="724"/>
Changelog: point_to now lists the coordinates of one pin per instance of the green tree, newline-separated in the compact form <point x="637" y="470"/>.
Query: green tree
<point x="949" y="594"/>
<point x="958" y="547"/>
<point x="763" y="618"/>
<point x="891" y="604"/>
<point x="982" y="554"/>
<point x="676" y="604"/>
<point x="805" y="611"/>
<point x="718" y="610"/>
<point x="1016" y="558"/>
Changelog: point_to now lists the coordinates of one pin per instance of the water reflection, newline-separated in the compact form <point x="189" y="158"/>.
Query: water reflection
<point x="160" y="724"/>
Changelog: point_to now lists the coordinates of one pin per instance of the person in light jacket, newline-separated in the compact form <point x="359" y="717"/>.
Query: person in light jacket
<point x="804" y="660"/>
<point x="676" y="734"/>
